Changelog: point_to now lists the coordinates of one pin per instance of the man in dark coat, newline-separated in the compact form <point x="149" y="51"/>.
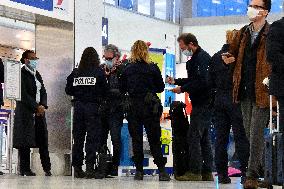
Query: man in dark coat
<point x="112" y="120"/>
<point x="201" y="158"/>
<point x="275" y="57"/>
<point x="30" y="127"/>
<point x="247" y="55"/>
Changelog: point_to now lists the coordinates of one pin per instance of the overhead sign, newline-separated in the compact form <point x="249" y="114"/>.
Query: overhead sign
<point x="105" y="31"/>
<point x="42" y="4"/>
<point x="12" y="84"/>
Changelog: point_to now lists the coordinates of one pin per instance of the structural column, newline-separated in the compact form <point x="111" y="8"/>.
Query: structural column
<point x="87" y="26"/>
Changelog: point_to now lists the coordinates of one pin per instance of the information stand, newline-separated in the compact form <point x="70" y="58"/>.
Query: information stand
<point x="12" y="92"/>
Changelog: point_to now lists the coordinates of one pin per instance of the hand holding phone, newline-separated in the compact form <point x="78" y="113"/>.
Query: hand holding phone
<point x="228" y="58"/>
<point x="170" y="80"/>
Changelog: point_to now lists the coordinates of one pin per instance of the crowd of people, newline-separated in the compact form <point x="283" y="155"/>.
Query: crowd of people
<point x="230" y="85"/>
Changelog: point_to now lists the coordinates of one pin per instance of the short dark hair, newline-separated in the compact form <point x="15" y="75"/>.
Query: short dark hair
<point x="267" y="5"/>
<point x="25" y="55"/>
<point x="89" y="60"/>
<point x="188" y="38"/>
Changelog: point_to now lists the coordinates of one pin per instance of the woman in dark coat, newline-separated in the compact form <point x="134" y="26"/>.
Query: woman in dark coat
<point x="30" y="116"/>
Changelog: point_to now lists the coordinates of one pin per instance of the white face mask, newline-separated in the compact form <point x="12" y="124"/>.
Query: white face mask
<point x="252" y="13"/>
<point x="187" y="52"/>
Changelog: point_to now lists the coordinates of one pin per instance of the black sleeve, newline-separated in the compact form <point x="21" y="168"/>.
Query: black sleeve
<point x="43" y="94"/>
<point x="199" y="83"/>
<point x="26" y="99"/>
<point x="212" y="74"/>
<point x="158" y="79"/>
<point x="1" y="71"/>
<point x="275" y="46"/>
<point x="181" y="81"/>
<point x="102" y="81"/>
<point x="70" y="89"/>
<point x="123" y="81"/>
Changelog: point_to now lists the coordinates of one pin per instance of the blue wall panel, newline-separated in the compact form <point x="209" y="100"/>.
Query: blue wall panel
<point x="42" y="4"/>
<point x="208" y="8"/>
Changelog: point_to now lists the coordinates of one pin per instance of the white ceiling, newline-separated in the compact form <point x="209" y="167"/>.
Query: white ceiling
<point x="17" y="38"/>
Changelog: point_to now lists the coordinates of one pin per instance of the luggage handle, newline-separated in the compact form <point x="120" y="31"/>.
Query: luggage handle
<point x="271" y="116"/>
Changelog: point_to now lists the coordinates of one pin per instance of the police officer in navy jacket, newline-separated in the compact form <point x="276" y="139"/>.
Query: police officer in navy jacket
<point x="87" y="85"/>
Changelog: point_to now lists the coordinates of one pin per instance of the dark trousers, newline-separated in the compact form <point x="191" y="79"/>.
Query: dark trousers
<point x="86" y="122"/>
<point x="200" y="153"/>
<point x="255" y="121"/>
<point x="229" y="115"/>
<point x="113" y="123"/>
<point x="140" y="115"/>
<point x="24" y="155"/>
<point x="281" y="123"/>
<point x="42" y="143"/>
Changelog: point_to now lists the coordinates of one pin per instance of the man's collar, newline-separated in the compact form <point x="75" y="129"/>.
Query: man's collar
<point x="265" y="28"/>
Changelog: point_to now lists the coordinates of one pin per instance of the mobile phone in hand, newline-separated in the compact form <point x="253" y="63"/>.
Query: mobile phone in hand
<point x="227" y="54"/>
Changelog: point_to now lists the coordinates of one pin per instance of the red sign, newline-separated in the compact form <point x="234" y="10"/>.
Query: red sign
<point x="59" y="2"/>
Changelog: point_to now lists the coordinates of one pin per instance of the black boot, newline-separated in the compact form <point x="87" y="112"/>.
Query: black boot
<point x="48" y="173"/>
<point x="79" y="173"/>
<point x="99" y="175"/>
<point x="139" y="175"/>
<point x="28" y="173"/>
<point x="163" y="176"/>
<point x="114" y="171"/>
<point x="224" y="179"/>
<point x="90" y="172"/>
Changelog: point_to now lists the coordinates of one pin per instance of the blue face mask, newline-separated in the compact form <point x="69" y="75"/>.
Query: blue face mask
<point x="33" y="63"/>
<point x="187" y="53"/>
<point x="108" y="63"/>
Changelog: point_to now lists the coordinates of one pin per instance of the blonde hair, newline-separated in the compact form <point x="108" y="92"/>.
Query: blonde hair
<point x="230" y="35"/>
<point x="140" y="52"/>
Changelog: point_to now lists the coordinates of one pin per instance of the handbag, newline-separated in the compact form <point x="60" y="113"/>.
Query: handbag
<point x="104" y="161"/>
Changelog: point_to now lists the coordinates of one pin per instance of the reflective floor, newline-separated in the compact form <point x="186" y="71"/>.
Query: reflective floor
<point x="15" y="182"/>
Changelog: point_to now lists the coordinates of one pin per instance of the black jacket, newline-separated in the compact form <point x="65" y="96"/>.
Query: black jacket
<point x="24" y="130"/>
<point x="114" y="97"/>
<point x="87" y="93"/>
<point x="220" y="78"/>
<point x="140" y="78"/>
<point x="197" y="82"/>
<point x="275" y="56"/>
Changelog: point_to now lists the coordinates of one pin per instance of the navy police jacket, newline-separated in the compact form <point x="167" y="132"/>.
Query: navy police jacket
<point x="87" y="85"/>
<point x="140" y="78"/>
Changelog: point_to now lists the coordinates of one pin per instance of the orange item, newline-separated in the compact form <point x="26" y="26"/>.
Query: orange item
<point x="188" y="104"/>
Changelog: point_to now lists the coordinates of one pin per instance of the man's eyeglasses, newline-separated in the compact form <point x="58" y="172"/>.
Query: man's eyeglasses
<point x="257" y="7"/>
<point x="34" y="58"/>
<point x="109" y="59"/>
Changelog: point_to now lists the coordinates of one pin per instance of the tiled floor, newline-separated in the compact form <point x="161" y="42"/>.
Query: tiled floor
<point x="15" y="182"/>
